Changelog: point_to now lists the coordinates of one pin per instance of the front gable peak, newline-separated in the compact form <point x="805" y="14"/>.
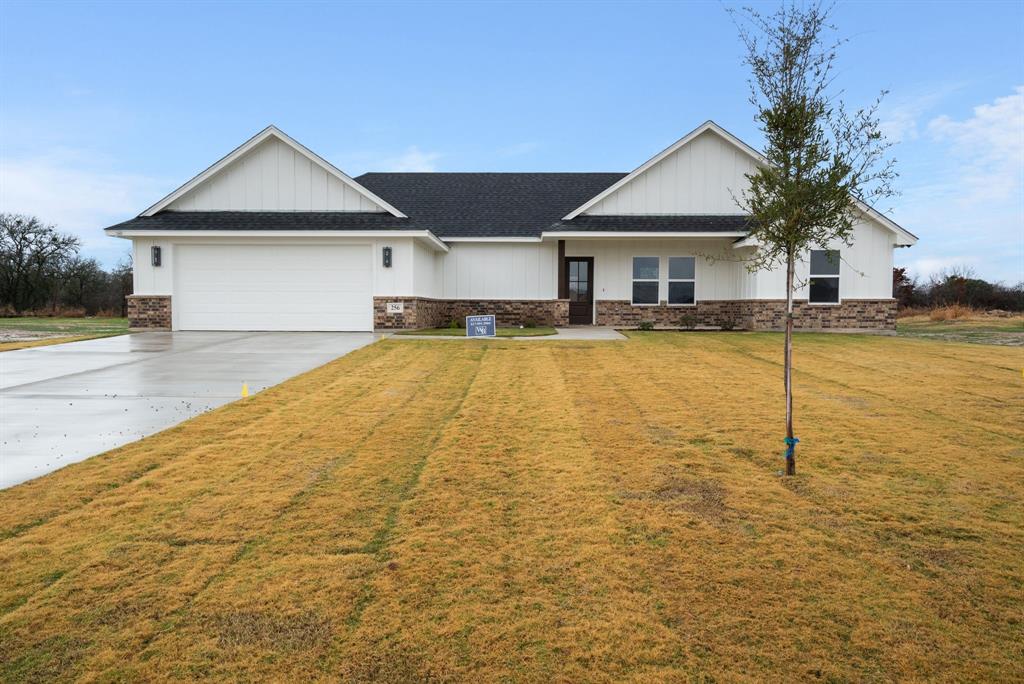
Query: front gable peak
<point x="698" y="174"/>
<point x="272" y="172"/>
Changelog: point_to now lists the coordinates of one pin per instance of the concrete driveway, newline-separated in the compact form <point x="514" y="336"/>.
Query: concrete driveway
<point x="64" y="403"/>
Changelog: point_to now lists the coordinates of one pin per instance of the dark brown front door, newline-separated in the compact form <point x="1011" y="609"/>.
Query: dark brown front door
<point x="580" y="273"/>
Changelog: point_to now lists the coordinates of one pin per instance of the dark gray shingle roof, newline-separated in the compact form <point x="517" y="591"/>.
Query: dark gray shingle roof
<point x="486" y="204"/>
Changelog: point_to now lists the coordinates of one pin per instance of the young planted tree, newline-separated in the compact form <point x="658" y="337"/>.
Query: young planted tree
<point x="825" y="163"/>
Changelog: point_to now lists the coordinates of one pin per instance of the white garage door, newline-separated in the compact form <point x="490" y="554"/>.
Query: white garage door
<point x="273" y="287"/>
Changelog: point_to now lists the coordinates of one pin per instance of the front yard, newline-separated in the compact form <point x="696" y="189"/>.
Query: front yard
<point x="529" y="510"/>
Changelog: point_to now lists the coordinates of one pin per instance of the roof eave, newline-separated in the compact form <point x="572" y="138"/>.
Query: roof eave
<point x="425" y="236"/>
<point x="562" y="234"/>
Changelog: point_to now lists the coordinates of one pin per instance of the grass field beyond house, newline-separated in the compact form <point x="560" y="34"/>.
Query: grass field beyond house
<point x="532" y="511"/>
<point x="977" y="328"/>
<point x="21" y="332"/>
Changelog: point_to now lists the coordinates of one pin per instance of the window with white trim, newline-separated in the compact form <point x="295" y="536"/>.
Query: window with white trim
<point x="823" y="287"/>
<point x="682" y="281"/>
<point x="646" y="274"/>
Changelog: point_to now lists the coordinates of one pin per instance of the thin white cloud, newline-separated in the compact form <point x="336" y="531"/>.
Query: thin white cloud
<point x="64" y="188"/>
<point x="990" y="146"/>
<point x="901" y="118"/>
<point x="931" y="265"/>
<point x="412" y="160"/>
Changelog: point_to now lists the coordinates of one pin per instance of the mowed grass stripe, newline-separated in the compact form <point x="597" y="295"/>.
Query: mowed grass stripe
<point x="673" y="508"/>
<point x="306" y="575"/>
<point x="498" y="556"/>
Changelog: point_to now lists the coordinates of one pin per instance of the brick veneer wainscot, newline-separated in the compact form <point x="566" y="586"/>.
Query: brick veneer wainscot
<point x="149" y="312"/>
<point x="766" y="314"/>
<point x="859" y="314"/>
<point x="423" y="312"/>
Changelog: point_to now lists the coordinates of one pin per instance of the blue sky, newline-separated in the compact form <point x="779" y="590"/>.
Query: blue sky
<point x="104" y="108"/>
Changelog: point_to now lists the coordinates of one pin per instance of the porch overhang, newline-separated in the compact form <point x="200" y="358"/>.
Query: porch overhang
<point x="619" y="235"/>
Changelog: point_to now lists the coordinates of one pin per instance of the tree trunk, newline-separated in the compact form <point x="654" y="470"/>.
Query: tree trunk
<point x="788" y="372"/>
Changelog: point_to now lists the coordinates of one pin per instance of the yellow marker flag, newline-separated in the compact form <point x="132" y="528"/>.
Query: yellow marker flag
<point x="245" y="390"/>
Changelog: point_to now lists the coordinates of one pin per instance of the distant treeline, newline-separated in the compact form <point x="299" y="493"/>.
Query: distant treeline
<point x="41" y="272"/>
<point x="955" y="286"/>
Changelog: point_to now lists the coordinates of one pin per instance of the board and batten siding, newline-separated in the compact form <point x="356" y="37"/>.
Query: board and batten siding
<point x="273" y="177"/>
<point x="865" y="268"/>
<point x="698" y="178"/>
<point x="428" y="274"/>
<point x="500" y="270"/>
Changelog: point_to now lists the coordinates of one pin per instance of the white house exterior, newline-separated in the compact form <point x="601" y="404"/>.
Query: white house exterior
<point x="273" y="237"/>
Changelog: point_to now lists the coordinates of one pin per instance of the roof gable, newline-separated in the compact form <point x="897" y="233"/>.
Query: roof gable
<point x="272" y="172"/>
<point x="702" y="174"/>
<point x="676" y="181"/>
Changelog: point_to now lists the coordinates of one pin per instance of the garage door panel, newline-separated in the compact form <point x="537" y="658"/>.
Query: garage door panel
<point x="273" y="287"/>
<point x="270" y="278"/>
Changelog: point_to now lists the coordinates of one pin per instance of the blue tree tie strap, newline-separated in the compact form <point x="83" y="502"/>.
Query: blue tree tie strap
<point x="790" y="446"/>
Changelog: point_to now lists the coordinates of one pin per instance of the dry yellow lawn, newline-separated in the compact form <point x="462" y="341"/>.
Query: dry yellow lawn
<point x="538" y="511"/>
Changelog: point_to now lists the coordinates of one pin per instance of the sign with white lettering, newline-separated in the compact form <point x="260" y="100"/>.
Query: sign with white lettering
<point x="395" y="307"/>
<point x="480" y="326"/>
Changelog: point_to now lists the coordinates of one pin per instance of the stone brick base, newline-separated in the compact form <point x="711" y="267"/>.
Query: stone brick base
<point x="422" y="312"/>
<point x="149" y="312"/>
<point x="718" y="314"/>
<point x="853" y="314"/>
<point x="770" y="314"/>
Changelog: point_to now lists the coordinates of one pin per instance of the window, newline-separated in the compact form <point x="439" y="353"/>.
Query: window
<point x="681" y="280"/>
<point x="646" y="273"/>
<point x="579" y="281"/>
<point x="824" y="285"/>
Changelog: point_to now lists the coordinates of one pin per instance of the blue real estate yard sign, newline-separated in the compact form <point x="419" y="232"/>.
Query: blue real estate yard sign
<point x="480" y="326"/>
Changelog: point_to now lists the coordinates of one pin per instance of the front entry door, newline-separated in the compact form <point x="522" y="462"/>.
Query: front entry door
<point x="580" y="272"/>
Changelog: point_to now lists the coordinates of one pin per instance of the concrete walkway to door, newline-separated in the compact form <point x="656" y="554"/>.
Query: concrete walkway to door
<point x="66" y="402"/>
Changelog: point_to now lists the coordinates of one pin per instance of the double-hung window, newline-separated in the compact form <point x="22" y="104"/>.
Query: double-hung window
<point x="824" y="280"/>
<point x="681" y="280"/>
<point x="646" y="274"/>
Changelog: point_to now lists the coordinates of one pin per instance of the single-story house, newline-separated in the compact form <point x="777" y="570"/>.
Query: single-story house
<point x="274" y="237"/>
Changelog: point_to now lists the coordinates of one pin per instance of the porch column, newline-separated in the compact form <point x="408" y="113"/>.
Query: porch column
<point x="563" y="286"/>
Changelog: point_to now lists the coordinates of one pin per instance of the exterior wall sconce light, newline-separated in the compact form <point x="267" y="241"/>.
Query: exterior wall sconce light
<point x="387" y="257"/>
<point x="155" y="255"/>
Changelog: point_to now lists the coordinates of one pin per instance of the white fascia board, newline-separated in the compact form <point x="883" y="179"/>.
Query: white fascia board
<point x="908" y="238"/>
<point x="268" y="132"/>
<point x="490" y="239"/>
<point x="576" y="234"/>
<point x="424" y="235"/>
<point x="904" y="237"/>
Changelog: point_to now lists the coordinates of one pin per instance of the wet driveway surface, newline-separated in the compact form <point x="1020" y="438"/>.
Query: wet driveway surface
<point x="64" y="403"/>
